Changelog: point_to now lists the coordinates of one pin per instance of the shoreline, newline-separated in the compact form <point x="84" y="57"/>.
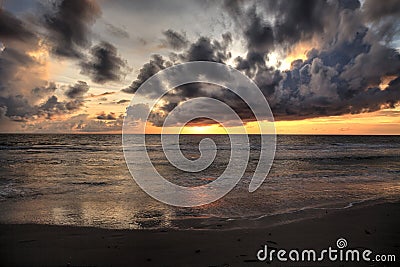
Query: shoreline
<point x="374" y="227"/>
<point x="273" y="219"/>
<point x="227" y="223"/>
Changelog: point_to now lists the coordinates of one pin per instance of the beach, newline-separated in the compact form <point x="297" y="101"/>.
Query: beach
<point x="373" y="226"/>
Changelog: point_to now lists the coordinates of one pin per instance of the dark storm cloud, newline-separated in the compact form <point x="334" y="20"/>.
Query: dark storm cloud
<point x="192" y="90"/>
<point x="376" y="10"/>
<point x="349" y="4"/>
<point x="341" y="74"/>
<point x="17" y="39"/>
<point x="55" y="107"/>
<point x="258" y="33"/>
<point x="205" y="49"/>
<point x="255" y="30"/>
<point x="384" y="17"/>
<point x="69" y="31"/>
<point x="339" y="78"/>
<point x="18" y="108"/>
<point x="175" y="40"/>
<point x="16" y="94"/>
<point x="69" y="24"/>
<point x="11" y="61"/>
<point x="12" y="28"/>
<point x="104" y="65"/>
<point x="25" y="94"/>
<point x="77" y="90"/>
<point x="43" y="91"/>
<point x="296" y="20"/>
<point x="314" y="89"/>
<point x="157" y="63"/>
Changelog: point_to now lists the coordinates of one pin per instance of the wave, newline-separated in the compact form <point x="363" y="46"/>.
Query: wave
<point x="90" y="183"/>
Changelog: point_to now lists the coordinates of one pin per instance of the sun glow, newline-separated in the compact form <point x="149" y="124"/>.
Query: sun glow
<point x="209" y="129"/>
<point x="384" y="121"/>
<point x="299" y="51"/>
<point x="385" y="81"/>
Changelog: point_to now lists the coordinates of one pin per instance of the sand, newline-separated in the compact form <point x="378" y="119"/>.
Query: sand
<point x="374" y="227"/>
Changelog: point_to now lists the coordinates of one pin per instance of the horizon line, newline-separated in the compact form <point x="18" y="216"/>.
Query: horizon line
<point x="105" y="133"/>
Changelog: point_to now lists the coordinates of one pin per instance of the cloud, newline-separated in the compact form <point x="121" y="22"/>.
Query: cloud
<point x="68" y="23"/>
<point x="138" y="112"/>
<point x="117" y="31"/>
<point x="340" y="75"/>
<point x="77" y="90"/>
<point x="123" y="101"/>
<point x="25" y="94"/>
<point x="3" y="112"/>
<point x="14" y="66"/>
<point x="374" y="10"/>
<point x="104" y="65"/>
<point x="62" y="28"/>
<point x="11" y="28"/>
<point x="87" y="125"/>
<point x="102" y="94"/>
<point x="156" y="64"/>
<point x="81" y="123"/>
<point x="42" y="91"/>
<point x="55" y="107"/>
<point x="104" y="116"/>
<point x="18" y="40"/>
<point x="175" y="40"/>
<point x="258" y="33"/>
<point x="18" y="108"/>
<point x="204" y="49"/>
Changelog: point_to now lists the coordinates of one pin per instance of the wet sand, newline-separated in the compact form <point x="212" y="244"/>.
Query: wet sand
<point x="374" y="227"/>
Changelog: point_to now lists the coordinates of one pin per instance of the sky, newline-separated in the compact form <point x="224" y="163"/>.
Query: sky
<point x="325" y="67"/>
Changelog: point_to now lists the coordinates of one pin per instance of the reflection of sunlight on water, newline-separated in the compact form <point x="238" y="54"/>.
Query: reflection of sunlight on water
<point x="62" y="216"/>
<point x="102" y="215"/>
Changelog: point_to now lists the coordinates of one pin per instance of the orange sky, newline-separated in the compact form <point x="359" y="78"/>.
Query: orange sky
<point x="384" y="122"/>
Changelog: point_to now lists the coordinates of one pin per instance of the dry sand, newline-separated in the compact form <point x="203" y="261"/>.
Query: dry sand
<point x="373" y="227"/>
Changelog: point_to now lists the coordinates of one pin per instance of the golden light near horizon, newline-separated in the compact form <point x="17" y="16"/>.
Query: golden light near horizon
<point x="383" y="122"/>
<point x="198" y="129"/>
<point x="191" y="129"/>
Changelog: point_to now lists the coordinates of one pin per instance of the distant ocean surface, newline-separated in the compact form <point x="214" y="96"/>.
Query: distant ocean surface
<point x="83" y="179"/>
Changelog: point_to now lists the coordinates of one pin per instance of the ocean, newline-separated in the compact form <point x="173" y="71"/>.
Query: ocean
<point x="83" y="180"/>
